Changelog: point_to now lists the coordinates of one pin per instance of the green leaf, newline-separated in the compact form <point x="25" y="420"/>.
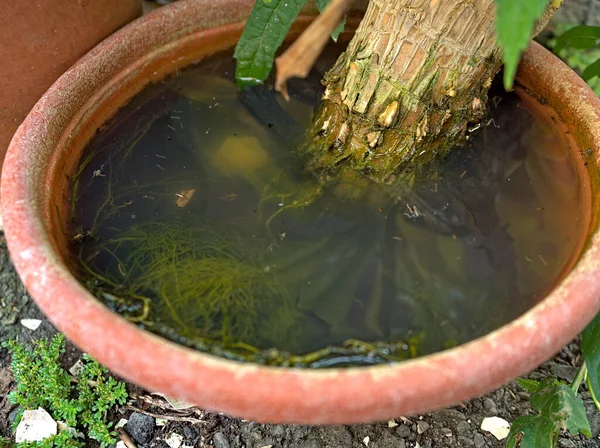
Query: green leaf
<point x="558" y="409"/>
<point x="591" y="71"/>
<point x="322" y="4"/>
<point x="581" y="37"/>
<point x="558" y="402"/>
<point x="536" y="431"/>
<point x="515" y="20"/>
<point x="529" y="385"/>
<point x="265" y="31"/>
<point x="590" y="349"/>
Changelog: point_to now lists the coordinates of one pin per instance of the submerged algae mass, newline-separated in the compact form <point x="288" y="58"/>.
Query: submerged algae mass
<point x="195" y="218"/>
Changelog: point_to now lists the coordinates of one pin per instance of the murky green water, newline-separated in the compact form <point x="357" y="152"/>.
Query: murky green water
<point x="195" y="219"/>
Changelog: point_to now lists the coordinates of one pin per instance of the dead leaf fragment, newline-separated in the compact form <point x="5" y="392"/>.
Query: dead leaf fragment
<point x="184" y="196"/>
<point x="175" y="404"/>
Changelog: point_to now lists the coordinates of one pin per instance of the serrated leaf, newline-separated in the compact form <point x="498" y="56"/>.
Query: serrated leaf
<point x="322" y="4"/>
<point x="263" y="34"/>
<point x="591" y="71"/>
<point x="557" y="401"/>
<point x="558" y="409"/>
<point x="590" y="349"/>
<point x="529" y="385"/>
<point x="582" y="37"/>
<point x="535" y="431"/>
<point x="515" y="20"/>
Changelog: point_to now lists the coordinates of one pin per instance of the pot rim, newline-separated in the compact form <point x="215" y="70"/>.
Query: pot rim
<point x="269" y="394"/>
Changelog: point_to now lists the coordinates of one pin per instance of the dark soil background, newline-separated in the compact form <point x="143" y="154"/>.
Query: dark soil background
<point x="458" y="426"/>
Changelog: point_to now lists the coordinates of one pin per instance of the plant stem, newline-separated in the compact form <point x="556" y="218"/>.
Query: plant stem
<point x="589" y="384"/>
<point x="581" y="375"/>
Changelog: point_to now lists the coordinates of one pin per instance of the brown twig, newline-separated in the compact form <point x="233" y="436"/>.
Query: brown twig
<point x="175" y="418"/>
<point x="161" y="403"/>
<point x="125" y="438"/>
<point x="301" y="56"/>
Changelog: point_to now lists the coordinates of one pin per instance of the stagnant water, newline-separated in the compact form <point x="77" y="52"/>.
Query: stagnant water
<point x="194" y="218"/>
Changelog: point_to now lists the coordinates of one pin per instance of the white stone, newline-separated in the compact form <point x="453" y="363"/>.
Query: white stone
<point x="392" y="424"/>
<point x="161" y="421"/>
<point x="121" y="444"/>
<point x="174" y="440"/>
<point x="497" y="426"/>
<point x="121" y="423"/>
<point x="76" y="368"/>
<point x="31" y="324"/>
<point x="35" y="426"/>
<point x="366" y="440"/>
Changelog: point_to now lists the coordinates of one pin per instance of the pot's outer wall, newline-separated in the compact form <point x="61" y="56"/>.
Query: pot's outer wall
<point x="40" y="40"/>
<point x="47" y="145"/>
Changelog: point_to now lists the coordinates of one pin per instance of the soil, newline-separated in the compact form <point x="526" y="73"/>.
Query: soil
<point x="458" y="426"/>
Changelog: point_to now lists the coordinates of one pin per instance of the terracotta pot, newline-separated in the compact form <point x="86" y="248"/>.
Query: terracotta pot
<point x="46" y="149"/>
<point x="41" y="40"/>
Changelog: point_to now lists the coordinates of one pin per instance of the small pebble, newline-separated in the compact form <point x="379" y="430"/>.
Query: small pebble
<point x="422" y="426"/>
<point x="190" y="434"/>
<point x="447" y="432"/>
<point x="450" y="414"/>
<point x="466" y="441"/>
<point x="77" y="368"/>
<point x="479" y="441"/>
<point x="463" y="429"/>
<point x="278" y="431"/>
<point x="121" y="423"/>
<point x="489" y="407"/>
<point x="140" y="427"/>
<point x="174" y="440"/>
<point x="12" y="415"/>
<point x="403" y="431"/>
<point x="566" y="373"/>
<point x="220" y="441"/>
<point x="566" y="443"/>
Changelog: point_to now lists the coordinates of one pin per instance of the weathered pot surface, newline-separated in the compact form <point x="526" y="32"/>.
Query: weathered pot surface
<point x="42" y="39"/>
<point x="46" y="149"/>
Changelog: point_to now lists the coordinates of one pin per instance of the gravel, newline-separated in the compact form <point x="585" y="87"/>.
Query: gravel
<point x="140" y="427"/>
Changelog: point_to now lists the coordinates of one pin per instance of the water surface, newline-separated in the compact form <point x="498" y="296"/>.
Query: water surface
<point x="195" y="218"/>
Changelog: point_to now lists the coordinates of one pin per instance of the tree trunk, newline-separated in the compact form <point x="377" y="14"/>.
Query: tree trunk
<point x="412" y="82"/>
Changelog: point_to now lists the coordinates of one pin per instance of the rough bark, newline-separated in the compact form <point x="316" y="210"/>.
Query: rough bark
<point x="412" y="82"/>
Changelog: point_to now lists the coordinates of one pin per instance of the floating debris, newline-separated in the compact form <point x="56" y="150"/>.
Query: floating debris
<point x="184" y="196"/>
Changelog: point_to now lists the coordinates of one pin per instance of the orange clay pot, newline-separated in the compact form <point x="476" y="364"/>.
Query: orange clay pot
<point x="47" y="148"/>
<point x="40" y="40"/>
